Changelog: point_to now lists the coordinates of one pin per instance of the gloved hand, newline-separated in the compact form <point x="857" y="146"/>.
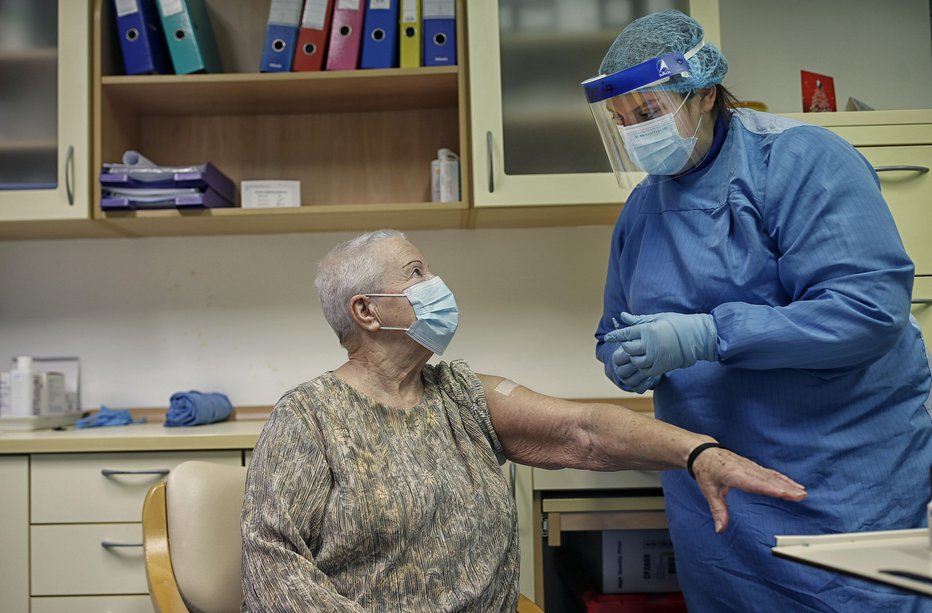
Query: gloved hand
<point x="629" y="374"/>
<point x="662" y="342"/>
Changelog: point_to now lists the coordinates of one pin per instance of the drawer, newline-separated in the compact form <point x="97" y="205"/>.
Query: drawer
<point x="70" y="488"/>
<point x="92" y="604"/>
<point x="69" y="560"/>
<point x="572" y="479"/>
<point x="922" y="291"/>
<point x="908" y="193"/>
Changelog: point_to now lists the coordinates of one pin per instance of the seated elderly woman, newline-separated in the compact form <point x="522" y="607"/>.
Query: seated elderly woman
<point x="377" y="486"/>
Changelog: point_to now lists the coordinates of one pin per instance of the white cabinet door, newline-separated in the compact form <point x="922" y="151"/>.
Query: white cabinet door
<point x="44" y="109"/>
<point x="534" y="141"/>
<point x="14" y="534"/>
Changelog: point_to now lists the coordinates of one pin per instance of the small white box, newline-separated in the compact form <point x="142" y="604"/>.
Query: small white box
<point x="638" y="561"/>
<point x="270" y="194"/>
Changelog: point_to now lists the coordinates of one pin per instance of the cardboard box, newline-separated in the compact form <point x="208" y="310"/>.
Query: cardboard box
<point x="638" y="561"/>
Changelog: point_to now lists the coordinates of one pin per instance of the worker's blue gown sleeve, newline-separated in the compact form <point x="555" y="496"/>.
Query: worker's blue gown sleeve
<point x="786" y="240"/>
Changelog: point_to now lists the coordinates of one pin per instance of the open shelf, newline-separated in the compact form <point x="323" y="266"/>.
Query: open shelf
<point x="317" y="218"/>
<point x="287" y="92"/>
<point x="360" y="142"/>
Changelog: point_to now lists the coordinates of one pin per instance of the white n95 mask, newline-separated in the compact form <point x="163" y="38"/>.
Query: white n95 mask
<point x="436" y="312"/>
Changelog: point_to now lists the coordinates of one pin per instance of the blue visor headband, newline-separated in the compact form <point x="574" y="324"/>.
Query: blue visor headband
<point x="651" y="72"/>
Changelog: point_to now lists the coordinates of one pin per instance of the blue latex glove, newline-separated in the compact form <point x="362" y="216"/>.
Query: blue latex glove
<point x="108" y="417"/>
<point x="197" y="408"/>
<point x="663" y="342"/>
<point x="627" y="373"/>
<point x="631" y="377"/>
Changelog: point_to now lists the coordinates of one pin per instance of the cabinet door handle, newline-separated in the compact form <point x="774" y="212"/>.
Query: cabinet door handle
<point x="902" y="167"/>
<point x="109" y="472"/>
<point x="921" y="301"/>
<point x="111" y="544"/>
<point x="488" y="153"/>
<point x="69" y="175"/>
<point x="513" y="473"/>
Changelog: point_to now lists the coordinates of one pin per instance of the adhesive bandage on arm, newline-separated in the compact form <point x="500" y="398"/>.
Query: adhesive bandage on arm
<point x="505" y="387"/>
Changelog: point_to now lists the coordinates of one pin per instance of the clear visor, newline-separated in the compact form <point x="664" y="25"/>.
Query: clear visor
<point x="646" y="128"/>
<point x="648" y="132"/>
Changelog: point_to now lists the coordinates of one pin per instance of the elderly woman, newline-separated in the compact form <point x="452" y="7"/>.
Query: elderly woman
<point x="377" y="486"/>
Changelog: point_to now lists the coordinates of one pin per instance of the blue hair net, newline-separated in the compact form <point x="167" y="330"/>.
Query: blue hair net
<point x="666" y="32"/>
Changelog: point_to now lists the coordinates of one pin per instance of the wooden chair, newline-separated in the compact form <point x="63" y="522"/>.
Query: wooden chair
<point x="197" y="553"/>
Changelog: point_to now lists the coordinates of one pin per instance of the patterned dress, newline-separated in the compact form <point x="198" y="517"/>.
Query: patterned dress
<point x="352" y="505"/>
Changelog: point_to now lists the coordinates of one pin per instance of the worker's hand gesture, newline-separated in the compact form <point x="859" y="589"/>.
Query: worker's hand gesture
<point x="663" y="342"/>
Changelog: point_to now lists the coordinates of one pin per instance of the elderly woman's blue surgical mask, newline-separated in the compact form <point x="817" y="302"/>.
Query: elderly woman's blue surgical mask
<point x="656" y="145"/>
<point x="436" y="312"/>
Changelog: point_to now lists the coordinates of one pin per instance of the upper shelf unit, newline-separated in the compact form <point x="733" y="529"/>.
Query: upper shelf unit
<point x="359" y="141"/>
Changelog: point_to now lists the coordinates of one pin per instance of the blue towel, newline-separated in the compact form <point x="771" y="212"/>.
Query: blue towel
<point x="108" y="417"/>
<point x="197" y="408"/>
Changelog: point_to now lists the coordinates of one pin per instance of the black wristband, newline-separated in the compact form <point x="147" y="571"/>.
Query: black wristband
<point x="695" y="454"/>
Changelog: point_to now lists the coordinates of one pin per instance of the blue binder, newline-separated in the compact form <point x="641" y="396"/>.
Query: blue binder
<point x="281" y="35"/>
<point x="141" y="38"/>
<point x="439" y="19"/>
<point x="189" y="35"/>
<point x="380" y="35"/>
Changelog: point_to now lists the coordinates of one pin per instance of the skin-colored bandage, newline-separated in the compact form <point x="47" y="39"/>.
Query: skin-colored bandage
<point x="506" y="387"/>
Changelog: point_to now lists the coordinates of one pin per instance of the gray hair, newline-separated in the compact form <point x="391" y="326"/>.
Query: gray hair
<point x="349" y="269"/>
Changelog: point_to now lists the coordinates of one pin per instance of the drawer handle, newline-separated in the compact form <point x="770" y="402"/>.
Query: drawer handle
<point x="921" y="301"/>
<point x="109" y="472"/>
<point x="111" y="544"/>
<point x="905" y="167"/>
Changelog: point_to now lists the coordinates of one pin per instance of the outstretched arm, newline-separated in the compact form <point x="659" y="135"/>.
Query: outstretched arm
<point x="549" y="432"/>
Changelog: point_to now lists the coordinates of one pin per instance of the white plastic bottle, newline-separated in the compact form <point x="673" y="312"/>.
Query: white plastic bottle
<point x="23" y="395"/>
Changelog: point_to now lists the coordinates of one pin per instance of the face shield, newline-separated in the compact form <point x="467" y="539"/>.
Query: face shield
<point x="643" y="124"/>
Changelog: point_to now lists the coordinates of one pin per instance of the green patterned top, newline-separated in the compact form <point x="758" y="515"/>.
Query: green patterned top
<point x="352" y="505"/>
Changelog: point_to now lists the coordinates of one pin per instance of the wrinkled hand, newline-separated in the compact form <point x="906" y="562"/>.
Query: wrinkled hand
<point x="629" y="374"/>
<point x="659" y="343"/>
<point x="718" y="470"/>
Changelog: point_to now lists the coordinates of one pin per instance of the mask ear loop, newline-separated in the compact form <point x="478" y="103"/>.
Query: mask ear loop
<point x="381" y="327"/>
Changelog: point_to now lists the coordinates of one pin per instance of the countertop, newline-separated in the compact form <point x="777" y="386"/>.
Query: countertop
<point x="135" y="437"/>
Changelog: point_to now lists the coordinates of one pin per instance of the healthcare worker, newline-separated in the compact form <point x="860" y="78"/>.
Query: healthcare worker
<point x="758" y="285"/>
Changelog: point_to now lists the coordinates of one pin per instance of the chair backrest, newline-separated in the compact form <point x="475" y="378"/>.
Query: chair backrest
<point x="192" y="539"/>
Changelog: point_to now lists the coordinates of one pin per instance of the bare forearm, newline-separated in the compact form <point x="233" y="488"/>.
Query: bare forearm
<point x="617" y="438"/>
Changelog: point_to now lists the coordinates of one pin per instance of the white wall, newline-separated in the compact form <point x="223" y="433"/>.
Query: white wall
<point x="239" y="314"/>
<point x="878" y="51"/>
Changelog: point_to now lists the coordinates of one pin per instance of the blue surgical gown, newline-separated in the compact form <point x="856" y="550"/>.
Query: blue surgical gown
<point x="785" y="239"/>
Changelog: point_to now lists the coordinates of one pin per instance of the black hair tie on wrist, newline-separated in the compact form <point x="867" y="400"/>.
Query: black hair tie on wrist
<point x="695" y="454"/>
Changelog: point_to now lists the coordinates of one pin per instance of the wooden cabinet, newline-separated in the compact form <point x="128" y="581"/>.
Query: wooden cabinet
<point x="14" y="538"/>
<point x="85" y="522"/>
<point x="534" y="142"/>
<point x="360" y="142"/>
<point x="70" y="531"/>
<point x="44" y="110"/>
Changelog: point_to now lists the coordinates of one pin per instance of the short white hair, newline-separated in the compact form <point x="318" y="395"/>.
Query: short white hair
<point x="349" y="269"/>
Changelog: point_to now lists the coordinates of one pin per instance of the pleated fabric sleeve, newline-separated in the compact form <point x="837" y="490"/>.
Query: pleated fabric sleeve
<point x="352" y="505"/>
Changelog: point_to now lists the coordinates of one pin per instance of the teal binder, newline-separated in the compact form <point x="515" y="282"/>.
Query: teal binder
<point x="190" y="38"/>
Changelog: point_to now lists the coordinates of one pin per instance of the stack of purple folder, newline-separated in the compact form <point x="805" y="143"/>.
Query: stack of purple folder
<point x="138" y="183"/>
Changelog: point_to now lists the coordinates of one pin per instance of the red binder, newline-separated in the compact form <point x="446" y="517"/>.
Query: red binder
<point x="346" y="35"/>
<point x="312" y="38"/>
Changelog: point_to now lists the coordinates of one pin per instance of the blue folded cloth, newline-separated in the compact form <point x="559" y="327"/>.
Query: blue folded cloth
<point x="108" y="417"/>
<point x="197" y="408"/>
